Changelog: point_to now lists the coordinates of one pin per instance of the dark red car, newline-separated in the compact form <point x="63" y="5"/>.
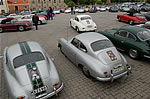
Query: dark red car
<point x="14" y="24"/>
<point x="132" y="18"/>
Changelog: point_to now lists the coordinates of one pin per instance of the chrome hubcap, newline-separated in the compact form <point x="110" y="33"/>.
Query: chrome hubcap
<point x="21" y="28"/>
<point x="133" y="53"/>
<point x="1" y="29"/>
<point x="85" y="70"/>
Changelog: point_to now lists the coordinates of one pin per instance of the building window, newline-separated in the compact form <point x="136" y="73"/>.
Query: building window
<point x="38" y="1"/>
<point x="15" y="1"/>
<point x="25" y="7"/>
<point x="44" y="1"/>
<point x="59" y="1"/>
<point x="24" y="0"/>
<point x="49" y="1"/>
<point x="54" y="1"/>
<point x="33" y="1"/>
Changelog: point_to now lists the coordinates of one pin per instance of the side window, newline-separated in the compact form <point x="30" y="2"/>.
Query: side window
<point x="75" y="42"/>
<point x="76" y="19"/>
<point x="82" y="47"/>
<point x="123" y="33"/>
<point x="131" y="36"/>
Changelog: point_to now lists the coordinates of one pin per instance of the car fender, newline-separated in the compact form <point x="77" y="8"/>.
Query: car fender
<point x="80" y="26"/>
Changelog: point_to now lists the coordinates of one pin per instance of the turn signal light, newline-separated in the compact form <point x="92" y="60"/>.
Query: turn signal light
<point x="22" y="97"/>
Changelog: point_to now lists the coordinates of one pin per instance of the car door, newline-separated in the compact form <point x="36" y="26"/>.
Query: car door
<point x="9" y="25"/>
<point x="72" y="48"/>
<point x="76" y="22"/>
<point x="120" y="38"/>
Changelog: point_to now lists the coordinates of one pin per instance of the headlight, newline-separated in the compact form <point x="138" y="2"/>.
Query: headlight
<point x="26" y="24"/>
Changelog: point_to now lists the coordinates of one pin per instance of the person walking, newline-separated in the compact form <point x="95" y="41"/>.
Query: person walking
<point x="35" y="20"/>
<point x="51" y="13"/>
<point x="48" y="14"/>
<point x="71" y="10"/>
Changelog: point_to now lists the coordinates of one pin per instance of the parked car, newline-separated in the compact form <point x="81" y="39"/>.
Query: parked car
<point x="68" y="10"/>
<point x="145" y="8"/>
<point x="146" y="25"/>
<point x="132" y="39"/>
<point x="29" y="18"/>
<point x="14" y="24"/>
<point x="102" y="9"/>
<point x="42" y="15"/>
<point x="81" y="10"/>
<point x="113" y="9"/>
<point x="14" y="16"/>
<point x="86" y="9"/>
<point x="76" y="10"/>
<point x="132" y="18"/>
<point x="29" y="72"/>
<point x="57" y="11"/>
<point x="125" y="9"/>
<point x="83" y="23"/>
<point x="62" y="10"/>
<point x="92" y="10"/>
<point x="147" y="15"/>
<point x="95" y="55"/>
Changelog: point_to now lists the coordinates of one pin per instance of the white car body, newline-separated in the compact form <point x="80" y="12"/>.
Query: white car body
<point x="29" y="18"/>
<point x="83" y="23"/>
<point x="14" y="16"/>
<point x="81" y="10"/>
<point x="57" y="11"/>
<point x="68" y="10"/>
<point x="77" y="10"/>
<point x="103" y="9"/>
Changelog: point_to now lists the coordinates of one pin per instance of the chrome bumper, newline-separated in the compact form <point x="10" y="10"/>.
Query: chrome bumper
<point x="112" y="77"/>
<point x="52" y="93"/>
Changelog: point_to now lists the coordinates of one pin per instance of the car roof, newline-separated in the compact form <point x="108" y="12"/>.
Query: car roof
<point x="15" y="50"/>
<point x="89" y="37"/>
<point x="133" y="29"/>
<point x="79" y="16"/>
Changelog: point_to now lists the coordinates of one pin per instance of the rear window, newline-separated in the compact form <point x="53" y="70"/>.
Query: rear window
<point x="28" y="58"/>
<point x="101" y="44"/>
<point x="85" y="18"/>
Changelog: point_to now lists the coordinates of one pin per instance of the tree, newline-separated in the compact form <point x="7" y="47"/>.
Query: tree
<point x="99" y="2"/>
<point x="67" y="1"/>
<point x="71" y="4"/>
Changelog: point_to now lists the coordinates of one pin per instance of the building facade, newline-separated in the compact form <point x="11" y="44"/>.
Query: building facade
<point x="4" y="6"/>
<point x="45" y="4"/>
<point x="18" y="5"/>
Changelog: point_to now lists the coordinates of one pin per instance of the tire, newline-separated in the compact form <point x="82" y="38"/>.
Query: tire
<point x="133" y="53"/>
<point x="131" y="22"/>
<point x="119" y="19"/>
<point x="21" y="28"/>
<point x="70" y="24"/>
<point x="77" y="29"/>
<point x="39" y="22"/>
<point x="86" y="72"/>
<point x="1" y="30"/>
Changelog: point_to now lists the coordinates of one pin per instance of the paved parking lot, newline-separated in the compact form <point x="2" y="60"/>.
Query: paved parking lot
<point x="76" y="85"/>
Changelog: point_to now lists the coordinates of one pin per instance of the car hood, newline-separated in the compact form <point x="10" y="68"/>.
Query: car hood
<point x="87" y="22"/>
<point x="109" y="56"/>
<point x="23" y="74"/>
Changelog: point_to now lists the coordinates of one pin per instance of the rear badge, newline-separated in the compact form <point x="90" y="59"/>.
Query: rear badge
<point x="111" y="55"/>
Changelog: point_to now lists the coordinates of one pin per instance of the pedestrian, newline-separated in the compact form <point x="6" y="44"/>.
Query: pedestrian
<point x="71" y="10"/>
<point x="35" y="20"/>
<point x="48" y="14"/>
<point x="51" y="13"/>
<point x="74" y="10"/>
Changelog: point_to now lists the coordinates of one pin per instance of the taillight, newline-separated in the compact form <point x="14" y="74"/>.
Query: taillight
<point x="127" y="65"/>
<point x="56" y="85"/>
<point x="21" y="97"/>
<point x="105" y="74"/>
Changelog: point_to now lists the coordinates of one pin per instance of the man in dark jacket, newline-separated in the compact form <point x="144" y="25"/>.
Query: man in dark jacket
<point x="35" y="20"/>
<point x="51" y="13"/>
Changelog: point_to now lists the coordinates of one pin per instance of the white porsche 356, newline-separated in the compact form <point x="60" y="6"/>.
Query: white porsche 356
<point x="83" y="23"/>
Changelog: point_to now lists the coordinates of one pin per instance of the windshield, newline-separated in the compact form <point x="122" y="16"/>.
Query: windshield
<point x="101" y="44"/>
<point x="28" y="58"/>
<point x="144" y="35"/>
<point x="85" y="18"/>
<point x="14" y="20"/>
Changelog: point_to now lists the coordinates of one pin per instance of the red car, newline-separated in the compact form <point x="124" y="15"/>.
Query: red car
<point x="132" y="18"/>
<point x="14" y="24"/>
<point x="42" y="15"/>
<point x="62" y="10"/>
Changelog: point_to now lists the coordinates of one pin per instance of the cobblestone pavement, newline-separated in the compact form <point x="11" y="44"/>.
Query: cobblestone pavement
<point x="76" y="85"/>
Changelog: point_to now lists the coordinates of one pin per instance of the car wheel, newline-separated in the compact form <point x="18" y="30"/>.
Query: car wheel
<point x="77" y="29"/>
<point x="21" y="28"/>
<point x="39" y="22"/>
<point x="1" y="30"/>
<point x="119" y="19"/>
<point x="86" y="72"/>
<point x="131" y="22"/>
<point x="133" y="53"/>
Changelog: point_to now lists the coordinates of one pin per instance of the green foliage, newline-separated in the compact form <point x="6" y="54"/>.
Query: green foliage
<point x="71" y="4"/>
<point x="67" y="1"/>
<point x="148" y="1"/>
<point x="99" y="2"/>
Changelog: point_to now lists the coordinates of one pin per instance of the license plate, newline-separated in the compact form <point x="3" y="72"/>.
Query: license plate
<point x="89" y="26"/>
<point x="118" y="69"/>
<point x="38" y="90"/>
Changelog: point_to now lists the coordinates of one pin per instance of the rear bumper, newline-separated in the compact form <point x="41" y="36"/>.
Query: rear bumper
<point x="52" y="93"/>
<point x="115" y="77"/>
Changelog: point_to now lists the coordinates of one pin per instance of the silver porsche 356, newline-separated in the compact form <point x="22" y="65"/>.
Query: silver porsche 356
<point x="30" y="72"/>
<point x="96" y="56"/>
